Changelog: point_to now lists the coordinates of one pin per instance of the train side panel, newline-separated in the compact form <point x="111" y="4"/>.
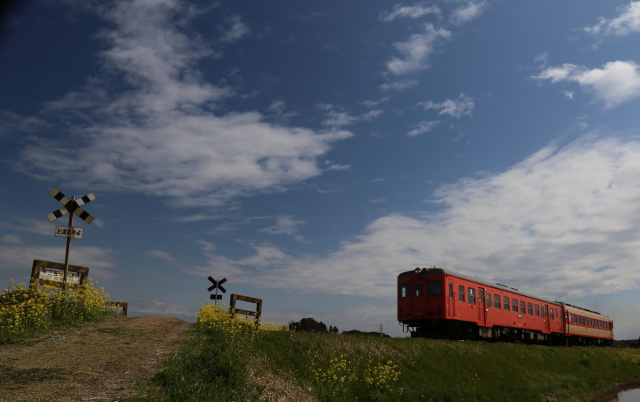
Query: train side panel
<point x="497" y="306"/>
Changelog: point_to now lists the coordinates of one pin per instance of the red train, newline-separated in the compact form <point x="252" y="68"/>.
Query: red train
<point x="439" y="303"/>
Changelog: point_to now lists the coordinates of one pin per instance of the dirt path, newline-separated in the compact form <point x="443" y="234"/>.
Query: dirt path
<point x="100" y="361"/>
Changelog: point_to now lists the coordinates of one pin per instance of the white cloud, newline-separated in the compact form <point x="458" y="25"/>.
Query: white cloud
<point x="32" y="225"/>
<point x="627" y="22"/>
<point x="422" y="127"/>
<point x="416" y="50"/>
<point x="18" y="255"/>
<point x="285" y="224"/>
<point x="415" y="11"/>
<point x="615" y="83"/>
<point x="237" y="30"/>
<point x="166" y="257"/>
<point x="161" y="136"/>
<point x="398" y="85"/>
<point x="546" y="226"/>
<point x="336" y="166"/>
<point x="337" y="117"/>
<point x="462" y="106"/>
<point x="470" y="10"/>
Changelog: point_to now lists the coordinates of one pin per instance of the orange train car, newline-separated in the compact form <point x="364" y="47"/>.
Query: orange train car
<point x="441" y="303"/>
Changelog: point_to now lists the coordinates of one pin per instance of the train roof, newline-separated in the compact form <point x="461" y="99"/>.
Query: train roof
<point x="434" y="271"/>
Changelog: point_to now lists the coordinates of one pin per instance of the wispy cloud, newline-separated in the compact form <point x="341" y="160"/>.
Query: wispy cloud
<point x="237" y="30"/>
<point x="18" y="256"/>
<point x="470" y="10"/>
<point x="628" y="21"/>
<point x="457" y="108"/>
<point x="337" y="117"/>
<point x="615" y="83"/>
<point x="415" y="11"/>
<point x="161" y="136"/>
<point x="422" y="128"/>
<point x="415" y="51"/>
<point x="285" y="224"/>
<point x="398" y="85"/>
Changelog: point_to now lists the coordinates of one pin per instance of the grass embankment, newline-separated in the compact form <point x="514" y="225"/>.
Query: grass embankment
<point x="26" y="313"/>
<point x="227" y="360"/>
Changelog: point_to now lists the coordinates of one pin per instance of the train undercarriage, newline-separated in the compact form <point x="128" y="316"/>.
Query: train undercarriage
<point x="462" y="330"/>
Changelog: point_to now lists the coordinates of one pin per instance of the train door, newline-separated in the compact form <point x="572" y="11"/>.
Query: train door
<point x="482" y="307"/>
<point x="547" y="318"/>
<point x="451" y="311"/>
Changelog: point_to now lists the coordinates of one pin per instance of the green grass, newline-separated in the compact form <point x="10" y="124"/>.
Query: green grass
<point x="215" y="364"/>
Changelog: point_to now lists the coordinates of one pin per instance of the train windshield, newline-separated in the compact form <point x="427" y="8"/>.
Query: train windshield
<point x="434" y="288"/>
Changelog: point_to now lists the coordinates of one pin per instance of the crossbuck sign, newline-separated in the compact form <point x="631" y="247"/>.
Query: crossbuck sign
<point x="71" y="207"/>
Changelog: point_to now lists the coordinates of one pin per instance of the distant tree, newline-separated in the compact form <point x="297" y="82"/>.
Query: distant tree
<point x="308" y="324"/>
<point x="358" y="332"/>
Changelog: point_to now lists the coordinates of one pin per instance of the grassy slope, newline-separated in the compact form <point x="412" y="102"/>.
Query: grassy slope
<point x="216" y="365"/>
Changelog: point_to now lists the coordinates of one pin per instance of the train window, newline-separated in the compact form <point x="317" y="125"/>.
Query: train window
<point x="472" y="296"/>
<point x="418" y="289"/>
<point x="537" y="308"/>
<point x="488" y="299"/>
<point x="543" y="311"/>
<point x="551" y="314"/>
<point x="450" y="290"/>
<point x="506" y="303"/>
<point x="496" y="301"/>
<point x="514" y="306"/>
<point x="404" y="290"/>
<point x="522" y="307"/>
<point x="480" y="295"/>
<point x="461" y="293"/>
<point x="434" y="288"/>
<point x="557" y="313"/>
<point x="529" y="309"/>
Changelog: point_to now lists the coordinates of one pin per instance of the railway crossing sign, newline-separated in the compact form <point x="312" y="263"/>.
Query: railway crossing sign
<point x="71" y="207"/>
<point x="216" y="285"/>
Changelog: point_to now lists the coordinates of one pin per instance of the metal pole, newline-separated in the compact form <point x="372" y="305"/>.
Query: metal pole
<point x="66" y="255"/>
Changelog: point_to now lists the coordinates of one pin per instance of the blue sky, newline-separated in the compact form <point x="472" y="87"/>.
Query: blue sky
<point x="311" y="151"/>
